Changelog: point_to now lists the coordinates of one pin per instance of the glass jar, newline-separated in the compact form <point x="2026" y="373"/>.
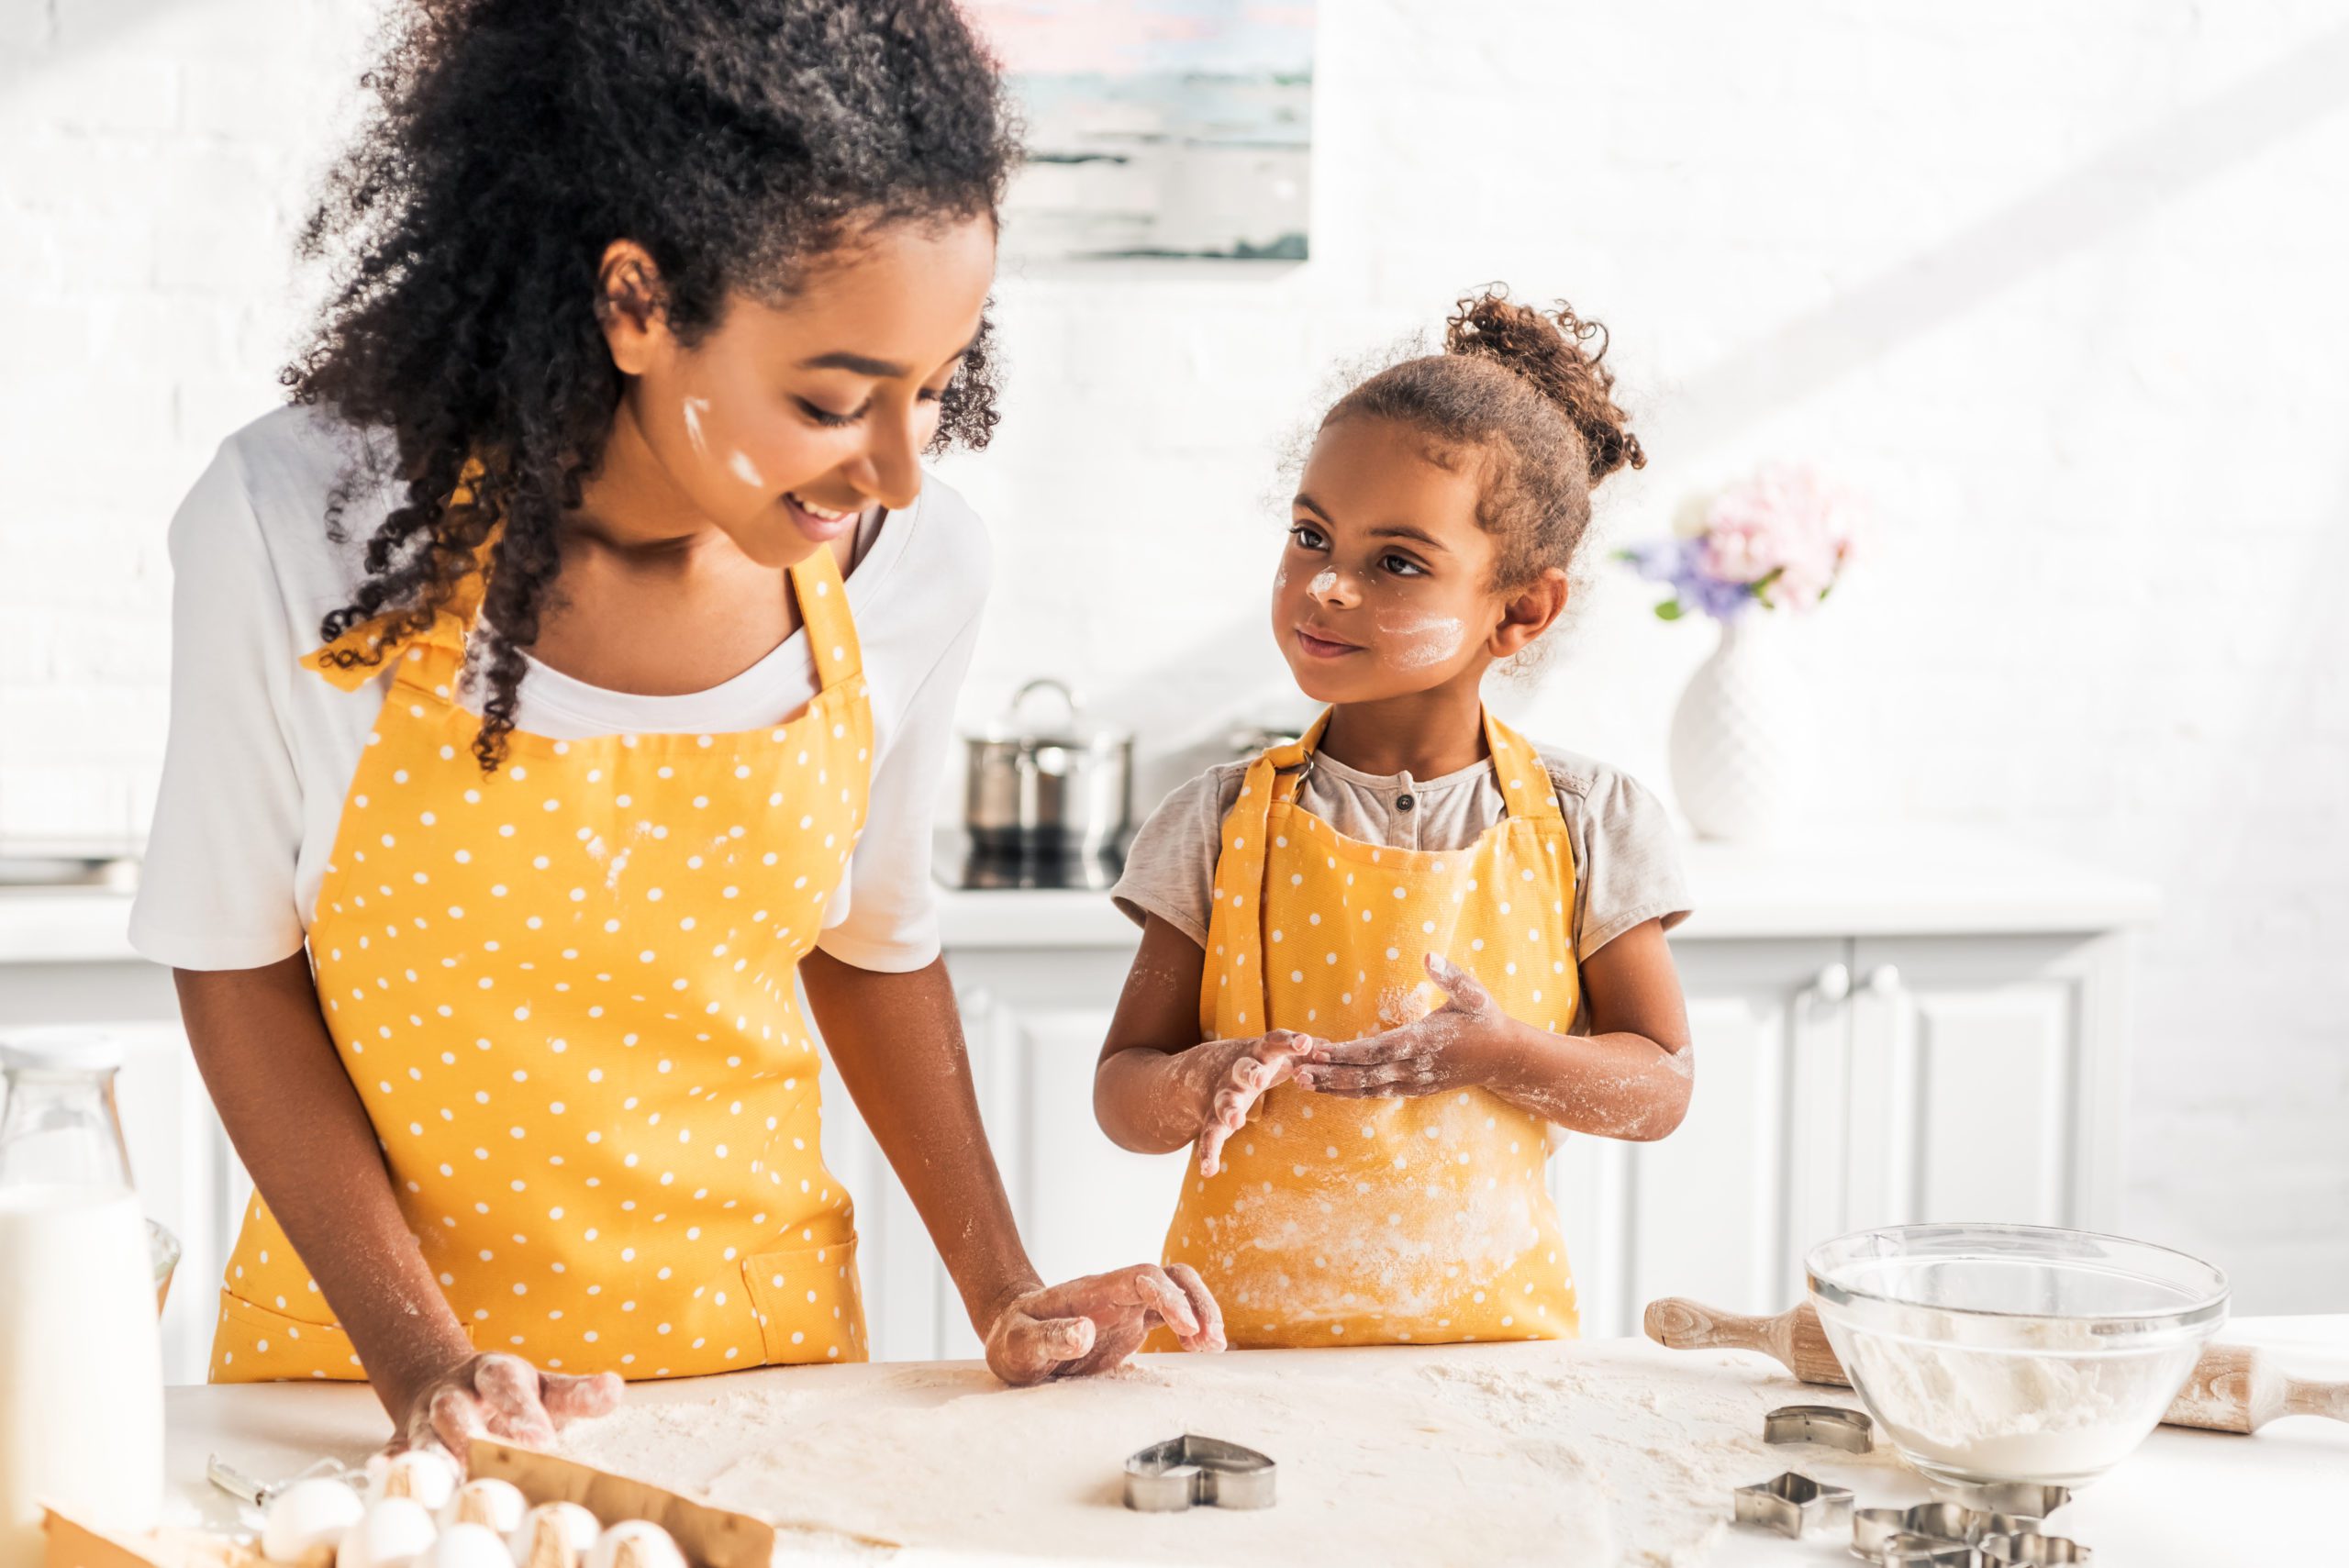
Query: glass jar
<point x="81" y="1355"/>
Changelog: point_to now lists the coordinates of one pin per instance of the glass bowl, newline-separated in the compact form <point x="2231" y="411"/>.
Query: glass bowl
<point x="2013" y="1352"/>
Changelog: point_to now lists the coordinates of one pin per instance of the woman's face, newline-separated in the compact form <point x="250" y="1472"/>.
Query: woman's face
<point x="1386" y="585"/>
<point x="785" y="422"/>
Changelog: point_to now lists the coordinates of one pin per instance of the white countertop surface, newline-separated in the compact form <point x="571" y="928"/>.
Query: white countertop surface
<point x="2186" y="1497"/>
<point x="1865" y="884"/>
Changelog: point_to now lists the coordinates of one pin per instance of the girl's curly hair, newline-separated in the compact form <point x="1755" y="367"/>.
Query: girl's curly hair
<point x="509" y="142"/>
<point x="1528" y="392"/>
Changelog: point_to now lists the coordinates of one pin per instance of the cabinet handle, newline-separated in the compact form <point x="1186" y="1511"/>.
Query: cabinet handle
<point x="1833" y="984"/>
<point x="1884" y="979"/>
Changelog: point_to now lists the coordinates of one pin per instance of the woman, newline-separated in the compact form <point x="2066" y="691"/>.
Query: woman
<point x="568" y="673"/>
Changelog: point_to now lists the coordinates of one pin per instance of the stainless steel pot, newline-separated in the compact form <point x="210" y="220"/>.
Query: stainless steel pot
<point x="1059" y="787"/>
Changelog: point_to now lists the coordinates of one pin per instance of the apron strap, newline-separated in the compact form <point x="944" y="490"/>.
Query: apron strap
<point x="1231" y="995"/>
<point x="823" y="610"/>
<point x="441" y="642"/>
<point x="1525" y="784"/>
<point x="1232" y="992"/>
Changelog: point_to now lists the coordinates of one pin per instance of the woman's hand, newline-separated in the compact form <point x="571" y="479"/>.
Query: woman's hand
<point x="1093" y="1324"/>
<point x="1460" y="1045"/>
<point x="504" y="1398"/>
<point x="1239" y="1073"/>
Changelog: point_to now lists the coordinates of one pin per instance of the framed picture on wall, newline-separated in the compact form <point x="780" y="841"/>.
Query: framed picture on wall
<point x="1158" y="129"/>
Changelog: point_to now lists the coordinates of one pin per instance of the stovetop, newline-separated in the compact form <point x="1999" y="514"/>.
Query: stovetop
<point x="957" y="864"/>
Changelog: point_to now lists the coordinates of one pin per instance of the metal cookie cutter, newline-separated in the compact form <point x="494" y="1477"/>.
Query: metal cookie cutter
<point x="1790" y="1504"/>
<point x="1905" y="1551"/>
<point x="1874" y="1529"/>
<point x="2024" y="1499"/>
<point x="2028" y="1549"/>
<point x="1831" y="1425"/>
<point x="1168" y="1477"/>
<point x="249" y="1489"/>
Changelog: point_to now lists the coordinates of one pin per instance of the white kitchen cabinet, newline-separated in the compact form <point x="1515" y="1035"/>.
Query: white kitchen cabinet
<point x="1714" y="1211"/>
<point x="1984" y="1080"/>
<point x="1849" y="1083"/>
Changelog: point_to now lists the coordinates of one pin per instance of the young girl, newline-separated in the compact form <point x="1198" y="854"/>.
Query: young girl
<point x="1380" y="965"/>
<point x="561" y="687"/>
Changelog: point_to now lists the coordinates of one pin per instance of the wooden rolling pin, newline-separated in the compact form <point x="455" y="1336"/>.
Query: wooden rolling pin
<point x="2234" y="1387"/>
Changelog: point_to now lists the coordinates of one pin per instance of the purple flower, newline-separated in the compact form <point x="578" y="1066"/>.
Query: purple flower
<point x="1779" y="539"/>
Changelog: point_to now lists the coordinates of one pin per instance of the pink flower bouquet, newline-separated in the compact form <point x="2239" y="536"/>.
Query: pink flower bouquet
<point x="1779" y="540"/>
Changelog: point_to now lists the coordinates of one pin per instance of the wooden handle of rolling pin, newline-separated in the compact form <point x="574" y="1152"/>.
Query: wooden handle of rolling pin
<point x="2234" y="1387"/>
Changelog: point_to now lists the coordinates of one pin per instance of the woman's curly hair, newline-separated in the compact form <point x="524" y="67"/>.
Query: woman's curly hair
<point x="1528" y="391"/>
<point x="509" y="142"/>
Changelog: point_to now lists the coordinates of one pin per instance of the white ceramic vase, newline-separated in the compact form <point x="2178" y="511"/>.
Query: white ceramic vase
<point x="1742" y="739"/>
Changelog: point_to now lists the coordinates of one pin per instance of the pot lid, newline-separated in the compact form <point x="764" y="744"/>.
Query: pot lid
<point x="1067" y="727"/>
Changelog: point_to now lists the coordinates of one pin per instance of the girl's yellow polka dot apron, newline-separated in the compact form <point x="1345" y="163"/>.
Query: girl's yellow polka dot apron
<point x="1425" y="1220"/>
<point x="565" y="994"/>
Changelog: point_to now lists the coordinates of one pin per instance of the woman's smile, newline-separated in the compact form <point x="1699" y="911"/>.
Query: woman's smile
<point x="820" y="524"/>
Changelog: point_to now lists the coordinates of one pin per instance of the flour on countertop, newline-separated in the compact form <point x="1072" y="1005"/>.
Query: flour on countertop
<point x="1483" y="1455"/>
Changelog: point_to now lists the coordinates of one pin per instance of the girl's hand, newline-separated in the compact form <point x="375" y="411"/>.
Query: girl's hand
<point x="1247" y="1070"/>
<point x="504" y="1398"/>
<point x="1093" y="1324"/>
<point x="1455" y="1047"/>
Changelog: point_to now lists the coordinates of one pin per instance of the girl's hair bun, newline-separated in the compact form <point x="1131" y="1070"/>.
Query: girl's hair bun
<point x="1551" y="351"/>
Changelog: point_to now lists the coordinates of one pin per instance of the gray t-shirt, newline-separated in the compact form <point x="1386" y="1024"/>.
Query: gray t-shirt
<point x="1627" y="858"/>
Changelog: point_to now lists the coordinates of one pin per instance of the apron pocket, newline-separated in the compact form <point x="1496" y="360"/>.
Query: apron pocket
<point x="809" y="1303"/>
<point x="256" y="1344"/>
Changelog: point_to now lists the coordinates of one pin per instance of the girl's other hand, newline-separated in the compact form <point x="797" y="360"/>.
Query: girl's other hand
<point x="504" y="1398"/>
<point x="1249" y="1069"/>
<point x="1093" y="1324"/>
<point x="1453" y="1047"/>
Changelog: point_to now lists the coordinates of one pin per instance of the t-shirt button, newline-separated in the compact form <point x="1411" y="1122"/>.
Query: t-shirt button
<point x="1404" y="803"/>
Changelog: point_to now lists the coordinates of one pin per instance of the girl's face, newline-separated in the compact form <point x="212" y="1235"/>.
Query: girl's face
<point x="785" y="422"/>
<point x="1386" y="585"/>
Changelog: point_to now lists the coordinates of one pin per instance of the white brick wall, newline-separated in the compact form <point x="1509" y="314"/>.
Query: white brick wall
<point x="2060" y="285"/>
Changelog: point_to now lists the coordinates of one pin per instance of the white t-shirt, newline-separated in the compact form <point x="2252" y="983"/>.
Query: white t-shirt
<point x="262" y="751"/>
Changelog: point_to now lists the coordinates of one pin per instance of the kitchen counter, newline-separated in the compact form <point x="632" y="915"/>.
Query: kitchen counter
<point x="2184" y="1498"/>
<point x="1863" y="883"/>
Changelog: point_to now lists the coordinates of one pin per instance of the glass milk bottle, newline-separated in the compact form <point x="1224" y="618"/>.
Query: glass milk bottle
<point x="81" y="1354"/>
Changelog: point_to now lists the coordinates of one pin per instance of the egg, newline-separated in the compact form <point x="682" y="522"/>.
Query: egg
<point x="635" y="1543"/>
<point x="496" y="1504"/>
<point x="306" y="1515"/>
<point x="467" y="1545"/>
<point x="555" y="1535"/>
<point x="391" y="1531"/>
<point x="425" y="1474"/>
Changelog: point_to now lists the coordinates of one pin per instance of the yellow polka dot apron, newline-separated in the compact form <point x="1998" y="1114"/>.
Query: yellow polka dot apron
<point x="564" y="993"/>
<point x="1340" y="1221"/>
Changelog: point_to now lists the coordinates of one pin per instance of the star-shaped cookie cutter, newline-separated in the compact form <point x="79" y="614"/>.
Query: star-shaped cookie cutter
<point x="1791" y="1504"/>
<point x="1168" y="1477"/>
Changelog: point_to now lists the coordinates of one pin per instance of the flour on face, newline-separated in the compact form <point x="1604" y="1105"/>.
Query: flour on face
<point x="1424" y="641"/>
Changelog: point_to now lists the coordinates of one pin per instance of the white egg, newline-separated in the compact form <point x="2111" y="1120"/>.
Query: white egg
<point x="555" y="1535"/>
<point x="466" y="1545"/>
<point x="392" y="1531"/>
<point x="635" y="1543"/>
<point x="496" y="1505"/>
<point x="306" y="1515"/>
<point x="426" y="1474"/>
